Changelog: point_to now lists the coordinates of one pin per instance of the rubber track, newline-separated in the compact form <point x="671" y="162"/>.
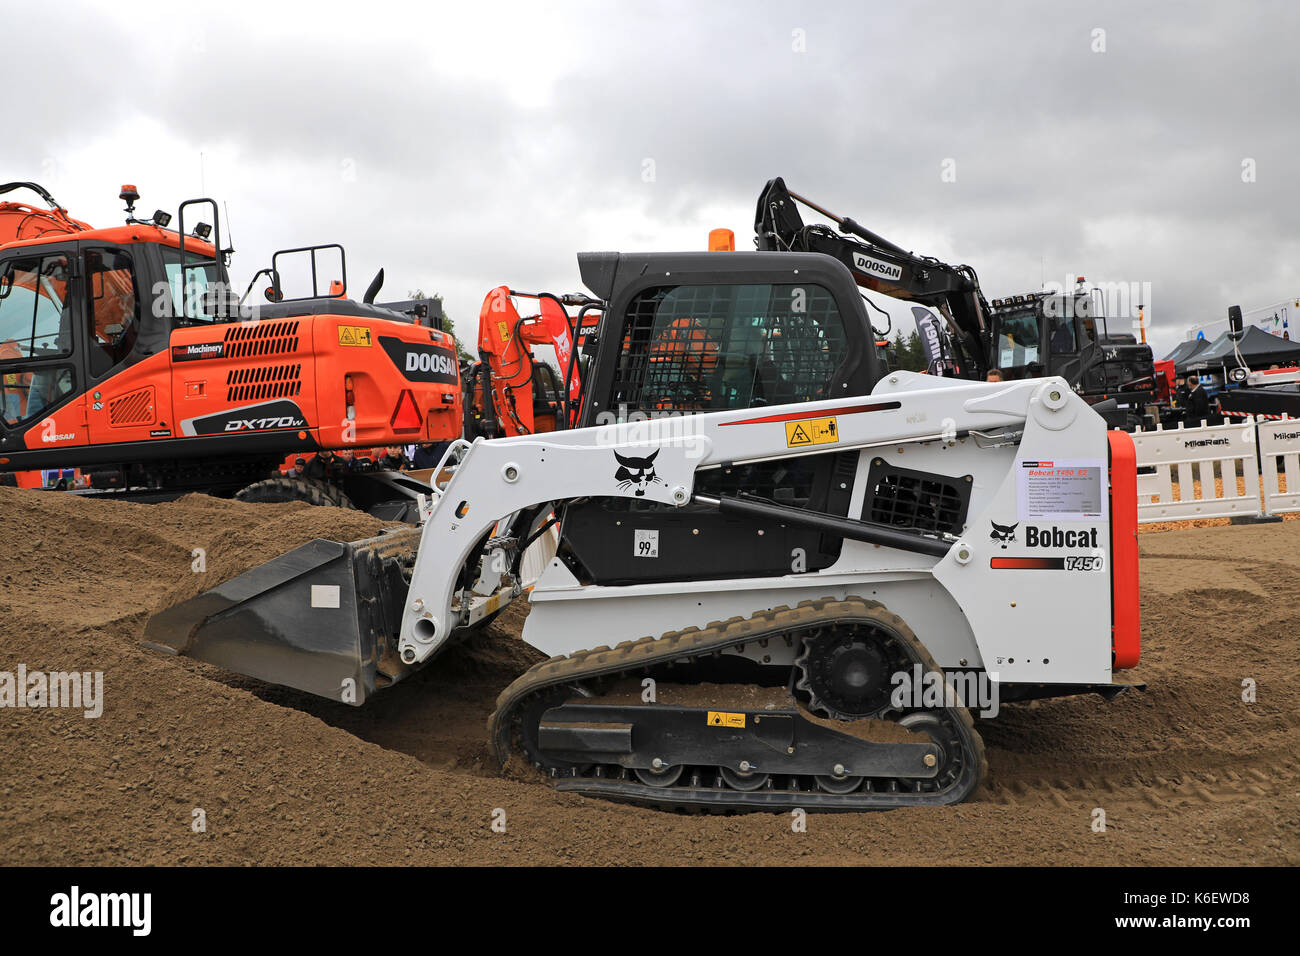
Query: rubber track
<point x="693" y="642"/>
<point x="311" y="490"/>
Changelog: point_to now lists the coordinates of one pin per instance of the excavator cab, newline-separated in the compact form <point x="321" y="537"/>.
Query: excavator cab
<point x="1040" y="334"/>
<point x="1065" y="334"/>
<point x="70" y="315"/>
<point x="75" y="312"/>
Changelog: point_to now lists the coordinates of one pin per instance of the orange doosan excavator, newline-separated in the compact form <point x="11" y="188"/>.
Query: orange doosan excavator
<point x="126" y="354"/>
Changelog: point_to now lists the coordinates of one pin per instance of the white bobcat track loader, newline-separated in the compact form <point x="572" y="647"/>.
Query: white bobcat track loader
<point x="801" y="524"/>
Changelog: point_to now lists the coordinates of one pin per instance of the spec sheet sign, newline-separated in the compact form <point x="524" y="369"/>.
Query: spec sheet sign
<point x="1061" y="489"/>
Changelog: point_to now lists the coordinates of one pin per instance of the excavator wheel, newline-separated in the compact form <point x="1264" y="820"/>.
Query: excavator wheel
<point x="309" y="490"/>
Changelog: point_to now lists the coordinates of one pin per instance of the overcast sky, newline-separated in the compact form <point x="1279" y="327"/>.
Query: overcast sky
<point x="465" y="146"/>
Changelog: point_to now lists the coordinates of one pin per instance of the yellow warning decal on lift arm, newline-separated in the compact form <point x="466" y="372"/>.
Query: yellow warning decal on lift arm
<point x="814" y="431"/>
<point x="354" y="335"/>
<point x="719" y="718"/>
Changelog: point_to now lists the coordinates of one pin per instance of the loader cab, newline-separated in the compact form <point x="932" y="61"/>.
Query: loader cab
<point x="697" y="332"/>
<point x="1065" y="334"/>
<point x="690" y="332"/>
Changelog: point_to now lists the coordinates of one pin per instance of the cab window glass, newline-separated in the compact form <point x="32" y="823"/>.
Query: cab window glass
<point x="1018" y="339"/>
<point x="187" y="292"/>
<point x="34" y="327"/>
<point x="26" y="395"/>
<point x="114" y="313"/>
<point x="1087" y="331"/>
<point x="1061" y="330"/>
<point x="707" y="348"/>
<point x="34" y="320"/>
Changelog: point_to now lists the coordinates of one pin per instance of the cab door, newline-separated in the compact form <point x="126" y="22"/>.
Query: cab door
<point x="41" y="371"/>
<point x="126" y="398"/>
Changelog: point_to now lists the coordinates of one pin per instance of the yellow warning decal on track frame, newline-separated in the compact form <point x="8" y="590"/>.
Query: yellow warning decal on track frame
<point x="814" y="431"/>
<point x="720" y="718"/>
<point x="354" y="335"/>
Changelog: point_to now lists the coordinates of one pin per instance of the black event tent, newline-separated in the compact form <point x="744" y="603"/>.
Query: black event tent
<point x="1185" y="351"/>
<point x="1258" y="348"/>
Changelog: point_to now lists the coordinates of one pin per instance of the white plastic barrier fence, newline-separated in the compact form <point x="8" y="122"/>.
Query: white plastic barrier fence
<point x="1279" y="444"/>
<point x="1187" y="458"/>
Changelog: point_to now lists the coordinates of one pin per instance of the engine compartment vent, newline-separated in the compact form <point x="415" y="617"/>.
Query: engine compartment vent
<point x="261" y="382"/>
<point x="133" y="408"/>
<point x="916" y="500"/>
<point x="262" y="338"/>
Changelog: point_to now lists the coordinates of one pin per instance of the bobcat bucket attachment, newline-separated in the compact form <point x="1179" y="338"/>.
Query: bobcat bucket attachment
<point x="320" y="618"/>
<point x="326" y="617"/>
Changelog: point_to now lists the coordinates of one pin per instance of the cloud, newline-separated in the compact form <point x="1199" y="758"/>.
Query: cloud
<point x="465" y="147"/>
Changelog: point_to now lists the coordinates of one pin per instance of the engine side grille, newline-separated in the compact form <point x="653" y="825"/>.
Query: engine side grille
<point x="134" y="408"/>
<point x="262" y="338"/>
<point x="262" y="382"/>
<point x="916" y="500"/>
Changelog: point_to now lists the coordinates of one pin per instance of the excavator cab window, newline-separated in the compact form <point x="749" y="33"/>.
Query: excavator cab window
<point x="1088" y="330"/>
<point x="547" y="395"/>
<point x="1061" y="334"/>
<point x="189" y="295"/>
<point x="1017" y="341"/>
<point x="114" y="313"/>
<point x="703" y="348"/>
<point x="35" y="328"/>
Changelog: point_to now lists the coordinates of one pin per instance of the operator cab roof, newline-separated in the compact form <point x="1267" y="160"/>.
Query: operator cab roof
<point x="604" y="272"/>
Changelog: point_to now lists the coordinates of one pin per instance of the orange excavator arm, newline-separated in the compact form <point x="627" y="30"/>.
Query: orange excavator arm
<point x="505" y="343"/>
<point x="20" y="221"/>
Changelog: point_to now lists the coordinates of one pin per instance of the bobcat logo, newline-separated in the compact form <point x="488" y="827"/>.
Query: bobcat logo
<point x="636" y="471"/>
<point x="1006" y="533"/>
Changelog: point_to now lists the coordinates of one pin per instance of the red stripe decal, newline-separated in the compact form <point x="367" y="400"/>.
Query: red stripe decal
<point x="824" y="413"/>
<point x="1027" y="564"/>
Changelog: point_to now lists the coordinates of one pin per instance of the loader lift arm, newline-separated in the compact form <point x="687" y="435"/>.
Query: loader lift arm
<point x="881" y="266"/>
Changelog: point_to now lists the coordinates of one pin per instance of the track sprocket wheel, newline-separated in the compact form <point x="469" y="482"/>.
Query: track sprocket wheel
<point x="846" y="671"/>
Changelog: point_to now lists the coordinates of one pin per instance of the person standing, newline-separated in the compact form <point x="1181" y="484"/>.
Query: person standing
<point x="323" y="466"/>
<point x="394" y="459"/>
<point x="428" y="455"/>
<point x="1196" y="408"/>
